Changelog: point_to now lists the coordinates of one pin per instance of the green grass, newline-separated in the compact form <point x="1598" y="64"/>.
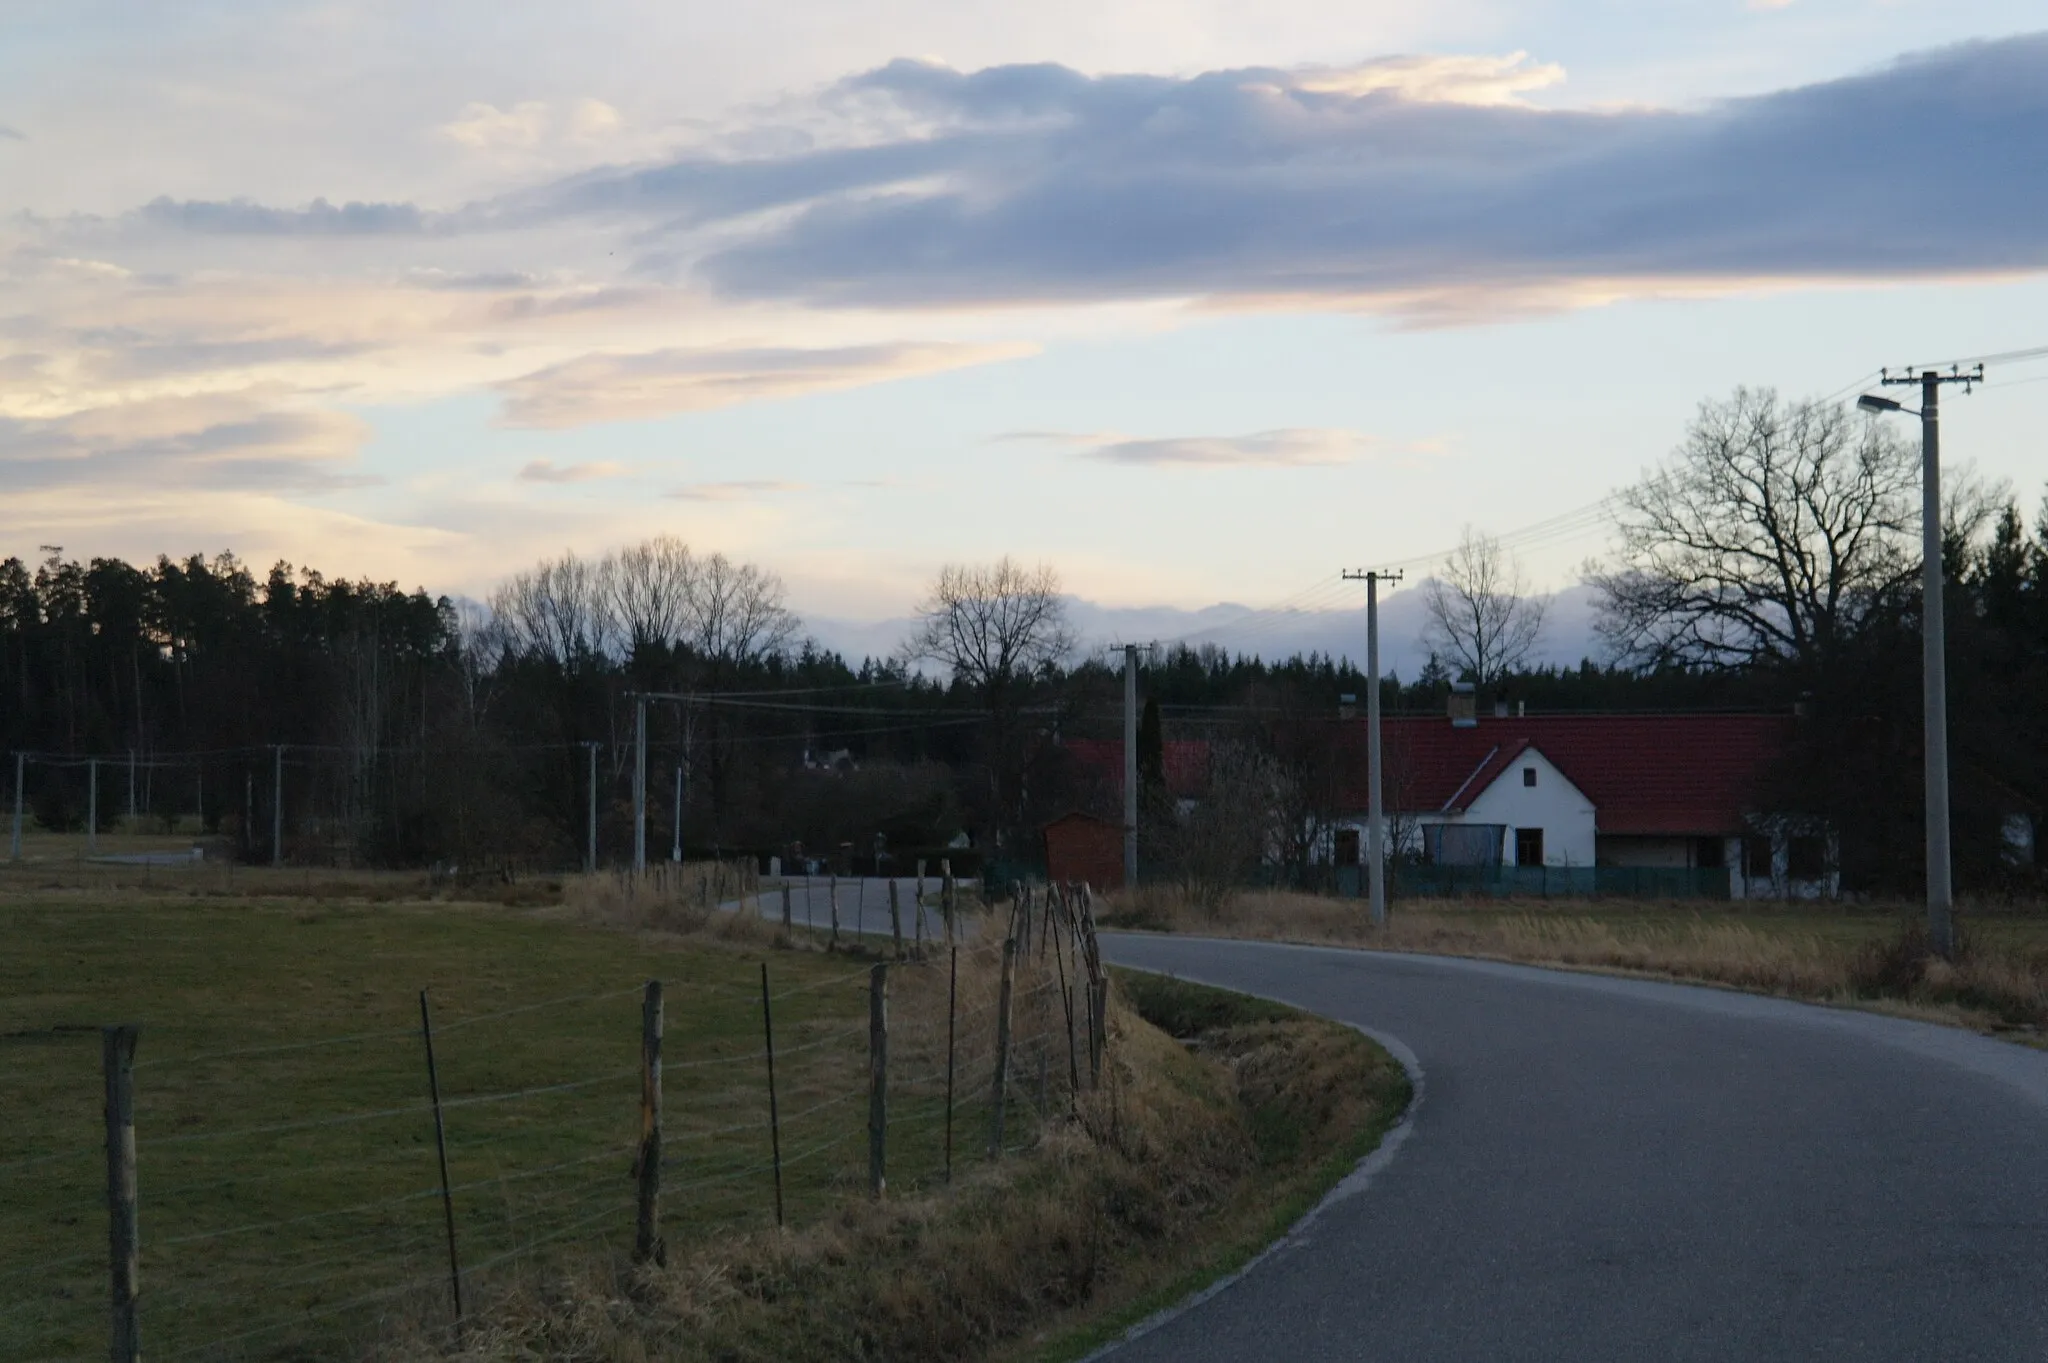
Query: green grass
<point x="271" y="1206"/>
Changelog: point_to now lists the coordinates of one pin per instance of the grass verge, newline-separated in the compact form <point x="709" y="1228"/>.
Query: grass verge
<point x="1874" y="957"/>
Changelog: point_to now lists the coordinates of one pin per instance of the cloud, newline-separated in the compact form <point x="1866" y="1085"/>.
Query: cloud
<point x="244" y="217"/>
<point x="531" y="123"/>
<point x="239" y="442"/>
<point x="1295" y="447"/>
<point x="638" y="387"/>
<point x="547" y="471"/>
<point x="738" y="490"/>
<point x="1378" y="186"/>
<point x="8" y="134"/>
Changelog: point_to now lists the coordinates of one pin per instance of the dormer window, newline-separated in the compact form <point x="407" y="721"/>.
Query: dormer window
<point x="1528" y="776"/>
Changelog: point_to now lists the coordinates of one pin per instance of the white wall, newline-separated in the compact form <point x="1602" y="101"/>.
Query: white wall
<point x="1553" y="804"/>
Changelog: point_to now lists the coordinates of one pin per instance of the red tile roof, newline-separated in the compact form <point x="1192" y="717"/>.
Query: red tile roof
<point x="1185" y="760"/>
<point x="1645" y="774"/>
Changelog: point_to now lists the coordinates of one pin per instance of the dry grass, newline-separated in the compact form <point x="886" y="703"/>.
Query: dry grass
<point x="1825" y="953"/>
<point x="1178" y="1164"/>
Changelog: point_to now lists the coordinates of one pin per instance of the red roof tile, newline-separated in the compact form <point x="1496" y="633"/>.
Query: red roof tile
<point x="1186" y="761"/>
<point x="1645" y="774"/>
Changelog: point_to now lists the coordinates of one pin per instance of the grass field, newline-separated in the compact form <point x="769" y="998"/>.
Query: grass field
<point x="289" y="1189"/>
<point x="1860" y="955"/>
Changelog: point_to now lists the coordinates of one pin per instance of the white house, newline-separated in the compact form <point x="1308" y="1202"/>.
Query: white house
<point x="1674" y="791"/>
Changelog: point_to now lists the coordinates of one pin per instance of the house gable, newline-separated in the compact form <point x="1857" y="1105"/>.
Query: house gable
<point x="1528" y="790"/>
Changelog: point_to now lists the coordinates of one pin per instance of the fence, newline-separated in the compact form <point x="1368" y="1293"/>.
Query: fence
<point x="346" y="1191"/>
<point x="1561" y="882"/>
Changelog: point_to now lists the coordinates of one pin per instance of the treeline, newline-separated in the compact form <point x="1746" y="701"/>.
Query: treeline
<point x="410" y="729"/>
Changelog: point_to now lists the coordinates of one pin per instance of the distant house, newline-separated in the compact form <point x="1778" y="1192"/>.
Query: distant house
<point x="1673" y="791"/>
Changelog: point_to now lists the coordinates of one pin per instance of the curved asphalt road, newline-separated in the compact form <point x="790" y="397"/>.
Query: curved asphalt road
<point x="1616" y="1169"/>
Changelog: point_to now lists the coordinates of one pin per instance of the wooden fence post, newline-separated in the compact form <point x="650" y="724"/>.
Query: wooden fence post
<point x="895" y="918"/>
<point x="832" y="889"/>
<point x="878" y="1078"/>
<point x="787" y="925"/>
<point x="952" y="1002"/>
<point x="774" y="1112"/>
<point x="1000" y="1084"/>
<point x="647" y="1242"/>
<point x="946" y="897"/>
<point x="124" y="1236"/>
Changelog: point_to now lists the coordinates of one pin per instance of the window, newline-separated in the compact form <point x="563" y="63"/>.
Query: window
<point x="1709" y="854"/>
<point x="1756" y="857"/>
<point x="1347" y="847"/>
<point x="1528" y="776"/>
<point x="1806" y="858"/>
<point x="1528" y="847"/>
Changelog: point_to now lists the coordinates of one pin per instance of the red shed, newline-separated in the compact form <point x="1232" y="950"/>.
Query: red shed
<point x="1084" y="847"/>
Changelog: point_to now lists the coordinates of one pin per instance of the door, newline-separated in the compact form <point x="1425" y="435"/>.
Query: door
<point x="1528" y="847"/>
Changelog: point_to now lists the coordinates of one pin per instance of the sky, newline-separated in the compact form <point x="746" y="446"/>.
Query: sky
<point x="1198" y="302"/>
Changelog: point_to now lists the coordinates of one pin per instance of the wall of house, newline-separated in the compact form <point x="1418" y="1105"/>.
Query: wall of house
<point x="1624" y="850"/>
<point x="1553" y="804"/>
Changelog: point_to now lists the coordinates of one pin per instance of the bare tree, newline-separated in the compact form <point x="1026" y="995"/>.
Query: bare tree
<point x="1481" y="618"/>
<point x="992" y="625"/>
<point x="651" y="591"/>
<point x="737" y="612"/>
<point x="995" y="627"/>
<point x="558" y="610"/>
<point x="1774" y="531"/>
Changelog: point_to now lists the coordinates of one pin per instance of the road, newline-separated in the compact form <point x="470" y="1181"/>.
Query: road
<point x="863" y="904"/>
<point x="1615" y="1169"/>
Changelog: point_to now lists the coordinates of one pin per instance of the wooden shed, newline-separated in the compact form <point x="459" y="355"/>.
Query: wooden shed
<point x="1085" y="847"/>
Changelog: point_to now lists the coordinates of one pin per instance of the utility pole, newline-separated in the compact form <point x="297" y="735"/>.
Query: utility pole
<point x="14" y="847"/>
<point x="639" y="785"/>
<point x="1130" y="766"/>
<point x="590" y="824"/>
<point x="1375" y="815"/>
<point x="1941" y="928"/>
<point x="675" y="852"/>
<point x="277" y="805"/>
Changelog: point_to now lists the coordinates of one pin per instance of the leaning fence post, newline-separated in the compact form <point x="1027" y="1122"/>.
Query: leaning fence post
<point x="1098" y="1041"/>
<point x="774" y="1112"/>
<point x="878" y="1078"/>
<point x="895" y="918"/>
<point x="999" y="1085"/>
<point x="441" y="1148"/>
<point x="124" y="1236"/>
<point x="647" y="1243"/>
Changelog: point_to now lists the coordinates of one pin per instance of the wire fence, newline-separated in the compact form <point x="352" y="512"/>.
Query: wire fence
<point x="329" y="1196"/>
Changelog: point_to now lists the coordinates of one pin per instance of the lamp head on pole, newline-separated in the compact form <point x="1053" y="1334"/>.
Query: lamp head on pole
<point x="1871" y="402"/>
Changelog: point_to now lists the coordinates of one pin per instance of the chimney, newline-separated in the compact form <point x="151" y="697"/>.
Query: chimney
<point x="1521" y="709"/>
<point x="1347" y="706"/>
<point x="1500" y="709"/>
<point x="1464" y="707"/>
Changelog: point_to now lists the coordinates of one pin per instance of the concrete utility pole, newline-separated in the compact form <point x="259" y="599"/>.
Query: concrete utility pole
<point x="1375" y="816"/>
<point x="639" y="785"/>
<point x="277" y="805"/>
<point x="1941" y="928"/>
<point x="1131" y="766"/>
<point x="675" y="851"/>
<point x="590" y="826"/>
<point x="14" y="847"/>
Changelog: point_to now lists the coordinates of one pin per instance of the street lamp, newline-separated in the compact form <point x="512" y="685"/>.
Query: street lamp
<point x="1934" y="670"/>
